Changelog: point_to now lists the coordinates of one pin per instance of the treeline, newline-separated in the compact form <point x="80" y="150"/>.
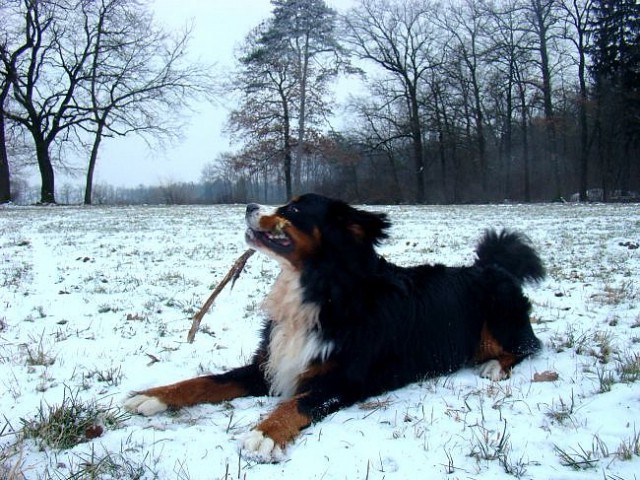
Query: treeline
<point x="169" y="193"/>
<point x="464" y="101"/>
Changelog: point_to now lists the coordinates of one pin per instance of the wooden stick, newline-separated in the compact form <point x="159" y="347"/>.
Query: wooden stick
<point x="232" y="274"/>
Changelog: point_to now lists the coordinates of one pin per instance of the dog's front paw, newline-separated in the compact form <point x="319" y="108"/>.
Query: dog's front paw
<point x="255" y="445"/>
<point x="144" y="405"/>
<point x="493" y="371"/>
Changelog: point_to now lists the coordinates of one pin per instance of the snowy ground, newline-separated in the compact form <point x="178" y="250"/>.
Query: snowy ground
<point x="96" y="302"/>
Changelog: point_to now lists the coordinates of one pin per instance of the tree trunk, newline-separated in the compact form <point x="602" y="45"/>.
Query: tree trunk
<point x="303" y="73"/>
<point x="47" y="189"/>
<point x="525" y="144"/>
<point x="481" y="142"/>
<point x="441" y="142"/>
<point x="88" y="190"/>
<point x="508" y="140"/>
<point x="550" y="125"/>
<point x="416" y="136"/>
<point x="397" y="197"/>
<point x="584" y="138"/>
<point x="5" y="178"/>
<point x="287" y="153"/>
<point x="583" y="162"/>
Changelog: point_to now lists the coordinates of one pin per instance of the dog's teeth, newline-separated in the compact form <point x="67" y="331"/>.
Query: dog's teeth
<point x="277" y="236"/>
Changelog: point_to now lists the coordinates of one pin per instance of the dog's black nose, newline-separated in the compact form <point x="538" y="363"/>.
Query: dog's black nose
<point x="252" y="207"/>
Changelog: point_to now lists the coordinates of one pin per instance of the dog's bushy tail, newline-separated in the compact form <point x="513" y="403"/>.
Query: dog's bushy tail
<point x="511" y="251"/>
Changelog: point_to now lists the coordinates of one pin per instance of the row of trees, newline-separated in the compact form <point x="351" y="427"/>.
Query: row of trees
<point x="463" y="100"/>
<point x="73" y="72"/>
<point x="466" y="100"/>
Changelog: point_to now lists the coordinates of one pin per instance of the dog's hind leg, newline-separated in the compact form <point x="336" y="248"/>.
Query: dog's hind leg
<point x="506" y="337"/>
<point x="241" y="382"/>
<point x="496" y="363"/>
<point x="499" y="353"/>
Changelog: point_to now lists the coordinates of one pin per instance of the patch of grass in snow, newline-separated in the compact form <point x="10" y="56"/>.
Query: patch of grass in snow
<point x="38" y="353"/>
<point x="563" y="410"/>
<point x="13" y="270"/>
<point x="598" y="344"/>
<point x="111" y="376"/>
<point x="616" y="294"/>
<point x="629" y="447"/>
<point x="625" y="370"/>
<point x="39" y="313"/>
<point x="106" y="308"/>
<point x="72" y="422"/>
<point x="132" y="462"/>
<point x="602" y="346"/>
<point x="606" y="379"/>
<point x="10" y="455"/>
<point x="628" y="367"/>
<point x="491" y="445"/>
<point x="13" y="273"/>
<point x="107" y="465"/>
<point x="569" y="339"/>
<point x="583" y="458"/>
<point x="188" y="307"/>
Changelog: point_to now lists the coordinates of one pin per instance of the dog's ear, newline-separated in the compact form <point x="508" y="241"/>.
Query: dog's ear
<point x="369" y="227"/>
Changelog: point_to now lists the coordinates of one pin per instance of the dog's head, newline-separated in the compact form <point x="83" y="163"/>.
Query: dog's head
<point x="310" y="225"/>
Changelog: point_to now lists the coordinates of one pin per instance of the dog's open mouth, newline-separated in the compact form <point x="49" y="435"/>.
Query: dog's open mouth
<point x="276" y="239"/>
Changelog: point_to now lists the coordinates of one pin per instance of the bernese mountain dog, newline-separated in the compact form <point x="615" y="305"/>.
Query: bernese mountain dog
<point x="344" y="324"/>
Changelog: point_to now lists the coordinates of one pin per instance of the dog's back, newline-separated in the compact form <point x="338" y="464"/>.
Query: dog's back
<point x="431" y="320"/>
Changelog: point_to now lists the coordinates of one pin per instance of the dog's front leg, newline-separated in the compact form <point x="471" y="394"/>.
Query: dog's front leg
<point x="267" y="442"/>
<point x="320" y="397"/>
<point x="241" y="382"/>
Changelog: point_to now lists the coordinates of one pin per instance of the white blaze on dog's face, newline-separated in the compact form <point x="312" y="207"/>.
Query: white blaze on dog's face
<point x="271" y="231"/>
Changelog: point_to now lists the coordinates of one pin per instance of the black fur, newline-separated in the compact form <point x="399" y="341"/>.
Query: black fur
<point x="394" y="325"/>
<point x="375" y="326"/>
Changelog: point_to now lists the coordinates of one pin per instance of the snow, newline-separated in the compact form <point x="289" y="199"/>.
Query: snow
<point x="107" y="293"/>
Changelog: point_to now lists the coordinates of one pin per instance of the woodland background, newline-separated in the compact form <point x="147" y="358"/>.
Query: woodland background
<point x="462" y="100"/>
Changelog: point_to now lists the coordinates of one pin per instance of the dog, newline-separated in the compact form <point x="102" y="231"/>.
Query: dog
<point x="344" y="324"/>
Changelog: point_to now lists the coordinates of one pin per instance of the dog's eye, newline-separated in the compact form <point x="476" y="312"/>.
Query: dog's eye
<point x="293" y="209"/>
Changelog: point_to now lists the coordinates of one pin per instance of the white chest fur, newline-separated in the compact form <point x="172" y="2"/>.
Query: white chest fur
<point x="295" y="340"/>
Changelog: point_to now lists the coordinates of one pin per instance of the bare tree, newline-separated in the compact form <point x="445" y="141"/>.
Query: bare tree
<point x="382" y="127"/>
<point x="399" y="37"/>
<point x="468" y="24"/>
<point x="304" y="32"/>
<point x="577" y="24"/>
<point x="139" y="78"/>
<point x="544" y="21"/>
<point x="45" y="79"/>
<point x="12" y="46"/>
<point x="511" y="60"/>
<point x="93" y="69"/>
<point x="442" y="121"/>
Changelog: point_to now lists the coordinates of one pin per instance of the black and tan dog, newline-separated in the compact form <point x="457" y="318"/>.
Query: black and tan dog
<point x="344" y="324"/>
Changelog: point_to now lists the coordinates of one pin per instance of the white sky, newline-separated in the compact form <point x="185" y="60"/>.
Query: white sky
<point x="220" y="25"/>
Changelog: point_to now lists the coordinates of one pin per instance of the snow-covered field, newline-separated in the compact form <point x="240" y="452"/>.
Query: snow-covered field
<point x="96" y="302"/>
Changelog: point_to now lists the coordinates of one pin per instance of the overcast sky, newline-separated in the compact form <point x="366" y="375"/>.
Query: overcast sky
<point x="220" y="25"/>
